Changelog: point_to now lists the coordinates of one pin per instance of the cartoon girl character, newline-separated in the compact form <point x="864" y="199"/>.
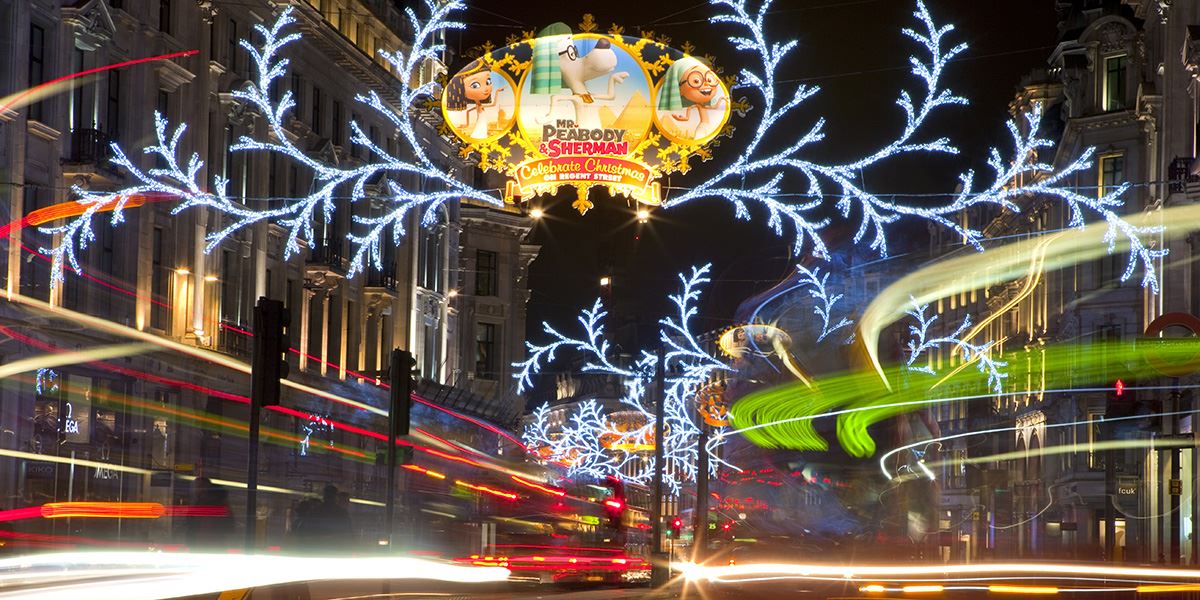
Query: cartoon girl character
<point x="471" y="91"/>
<point x="693" y="87"/>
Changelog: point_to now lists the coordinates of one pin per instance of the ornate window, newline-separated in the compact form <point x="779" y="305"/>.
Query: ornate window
<point x="1115" y="68"/>
<point x="486" y="271"/>
<point x="485" y="351"/>
<point x="37" y="65"/>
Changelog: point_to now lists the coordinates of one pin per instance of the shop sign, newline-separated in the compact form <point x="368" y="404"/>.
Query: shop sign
<point x="39" y="470"/>
<point x="1172" y="356"/>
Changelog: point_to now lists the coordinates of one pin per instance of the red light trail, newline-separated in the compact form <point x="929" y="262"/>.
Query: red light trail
<point x="129" y="63"/>
<point x="537" y="486"/>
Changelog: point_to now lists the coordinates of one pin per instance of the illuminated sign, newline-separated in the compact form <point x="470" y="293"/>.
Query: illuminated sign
<point x="586" y="110"/>
<point x="70" y="423"/>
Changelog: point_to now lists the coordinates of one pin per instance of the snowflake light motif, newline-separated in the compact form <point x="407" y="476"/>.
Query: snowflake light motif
<point x="823" y="300"/>
<point x="970" y="352"/>
<point x="579" y="442"/>
<point x="296" y="215"/>
<point x="316" y="425"/>
<point x="46" y="381"/>
<point x="755" y="176"/>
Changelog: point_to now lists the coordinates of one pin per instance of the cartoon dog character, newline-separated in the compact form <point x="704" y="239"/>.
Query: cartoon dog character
<point x="557" y="64"/>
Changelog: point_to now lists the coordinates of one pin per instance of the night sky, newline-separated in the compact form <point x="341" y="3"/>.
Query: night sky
<point x="854" y="50"/>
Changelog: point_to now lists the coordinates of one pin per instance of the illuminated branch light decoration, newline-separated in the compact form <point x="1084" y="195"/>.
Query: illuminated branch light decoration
<point x="46" y="381"/>
<point x="754" y="176"/>
<point x="823" y="301"/>
<point x="580" y="442"/>
<point x="978" y="353"/>
<point x="296" y="215"/>
<point x="316" y="424"/>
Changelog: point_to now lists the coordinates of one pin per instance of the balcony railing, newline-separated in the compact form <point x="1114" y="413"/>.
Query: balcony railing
<point x="232" y="339"/>
<point x="384" y="277"/>
<point x="90" y="146"/>
<point x="1182" y="174"/>
<point x="329" y="253"/>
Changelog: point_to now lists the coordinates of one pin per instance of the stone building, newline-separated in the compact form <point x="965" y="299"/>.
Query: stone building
<point x="1121" y="80"/>
<point x="152" y="273"/>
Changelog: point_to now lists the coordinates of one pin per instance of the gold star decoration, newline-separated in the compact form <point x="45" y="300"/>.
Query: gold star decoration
<point x="589" y="24"/>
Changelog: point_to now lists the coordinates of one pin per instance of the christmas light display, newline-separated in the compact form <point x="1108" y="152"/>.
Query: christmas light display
<point x="757" y="175"/>
<point x="296" y="215"/>
<point x="970" y="352"/>
<point x="760" y="173"/>
<point x="591" y="442"/>
<point x="319" y="425"/>
<point x="824" y="302"/>
<point x="46" y="381"/>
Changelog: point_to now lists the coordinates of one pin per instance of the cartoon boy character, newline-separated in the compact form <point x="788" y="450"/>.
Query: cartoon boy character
<point x="691" y="85"/>
<point x="471" y="91"/>
<point x="557" y="64"/>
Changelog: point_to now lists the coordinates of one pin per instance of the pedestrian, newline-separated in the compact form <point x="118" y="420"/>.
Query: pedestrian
<point x="306" y="527"/>
<point x="212" y="531"/>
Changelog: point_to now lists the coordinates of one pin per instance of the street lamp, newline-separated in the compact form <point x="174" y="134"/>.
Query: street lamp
<point x="605" y="281"/>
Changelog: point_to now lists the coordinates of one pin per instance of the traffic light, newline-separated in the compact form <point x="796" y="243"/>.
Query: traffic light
<point x="614" y="506"/>
<point x="615" y="510"/>
<point x="269" y="358"/>
<point x="676" y="527"/>
<point x="403" y="375"/>
<point x="1122" y="401"/>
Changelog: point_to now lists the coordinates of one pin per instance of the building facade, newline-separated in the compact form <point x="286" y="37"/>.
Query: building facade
<point x="1121" y="80"/>
<point x="152" y="274"/>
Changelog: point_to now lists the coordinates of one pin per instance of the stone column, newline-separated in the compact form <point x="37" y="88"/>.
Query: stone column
<point x="367" y="343"/>
<point x="343" y="327"/>
<point x="12" y="167"/>
<point x="199" y="234"/>
<point x="306" y="296"/>
<point x="325" y="331"/>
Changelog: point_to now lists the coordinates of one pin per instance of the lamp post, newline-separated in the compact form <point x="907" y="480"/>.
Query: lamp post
<point x="659" y="572"/>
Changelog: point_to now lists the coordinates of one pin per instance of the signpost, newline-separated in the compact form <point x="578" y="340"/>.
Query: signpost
<point x="659" y="573"/>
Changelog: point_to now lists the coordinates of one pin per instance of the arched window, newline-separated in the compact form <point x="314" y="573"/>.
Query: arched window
<point x="1035" y="459"/>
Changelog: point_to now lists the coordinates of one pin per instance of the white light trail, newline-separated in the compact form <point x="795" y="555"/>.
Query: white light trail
<point x="882" y="572"/>
<point x="156" y="575"/>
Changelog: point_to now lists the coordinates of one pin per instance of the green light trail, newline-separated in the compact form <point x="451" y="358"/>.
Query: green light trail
<point x="783" y="416"/>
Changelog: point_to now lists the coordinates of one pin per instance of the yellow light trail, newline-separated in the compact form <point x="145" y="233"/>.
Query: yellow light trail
<point x="224" y="361"/>
<point x="1023" y="589"/>
<point x="50" y="361"/>
<point x="82" y="462"/>
<point x="1068" y="449"/>
<point x="1001" y="264"/>
<point x="877" y="572"/>
<point x="922" y="589"/>
<point x="1161" y="589"/>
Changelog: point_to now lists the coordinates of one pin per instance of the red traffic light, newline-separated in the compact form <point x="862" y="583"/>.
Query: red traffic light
<point x="1120" y="387"/>
<point x="727" y="526"/>
<point x="677" y="523"/>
